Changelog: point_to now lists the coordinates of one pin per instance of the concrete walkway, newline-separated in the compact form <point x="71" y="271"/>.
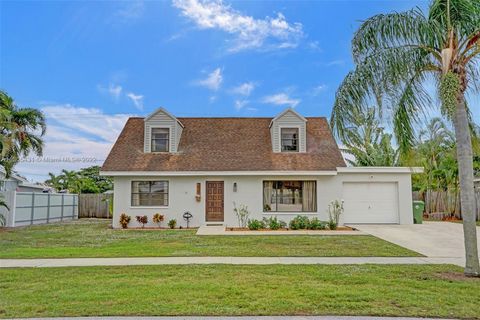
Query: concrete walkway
<point x="220" y="231"/>
<point x="432" y="239"/>
<point x="82" y="262"/>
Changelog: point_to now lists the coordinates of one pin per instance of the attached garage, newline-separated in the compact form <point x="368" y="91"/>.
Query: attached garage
<point x="371" y="202"/>
<point x="376" y="195"/>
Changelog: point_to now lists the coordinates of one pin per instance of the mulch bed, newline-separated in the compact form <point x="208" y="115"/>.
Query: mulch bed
<point x="341" y="228"/>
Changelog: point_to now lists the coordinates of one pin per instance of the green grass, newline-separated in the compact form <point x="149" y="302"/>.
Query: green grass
<point x="94" y="238"/>
<point x="377" y="290"/>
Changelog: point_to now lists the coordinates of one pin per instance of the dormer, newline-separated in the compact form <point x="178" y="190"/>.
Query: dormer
<point x="288" y="131"/>
<point x="162" y="132"/>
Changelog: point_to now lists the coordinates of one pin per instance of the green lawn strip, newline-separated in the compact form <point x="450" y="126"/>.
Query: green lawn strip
<point x="94" y="238"/>
<point x="376" y="290"/>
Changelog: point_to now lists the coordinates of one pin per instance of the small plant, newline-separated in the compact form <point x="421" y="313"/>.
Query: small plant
<point x="317" y="224"/>
<point x="172" y="223"/>
<point x="273" y="223"/>
<point x="299" y="223"/>
<point x="142" y="219"/>
<point x="124" y="220"/>
<point x="255" y="224"/>
<point x="158" y="218"/>
<point x="335" y="209"/>
<point x="242" y="214"/>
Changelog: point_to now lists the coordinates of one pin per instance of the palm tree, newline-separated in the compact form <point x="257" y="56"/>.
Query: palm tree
<point x="22" y="129"/>
<point x="401" y="52"/>
<point x="367" y="142"/>
<point x="2" y="217"/>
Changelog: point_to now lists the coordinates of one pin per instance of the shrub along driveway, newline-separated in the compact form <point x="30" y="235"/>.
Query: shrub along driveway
<point x="94" y="238"/>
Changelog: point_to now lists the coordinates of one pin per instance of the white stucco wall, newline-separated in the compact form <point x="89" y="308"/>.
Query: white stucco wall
<point x="182" y="190"/>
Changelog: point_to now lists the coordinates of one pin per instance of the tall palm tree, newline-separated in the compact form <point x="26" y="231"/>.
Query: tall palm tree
<point x="22" y="130"/>
<point x="367" y="142"/>
<point x="3" y="220"/>
<point x="400" y="53"/>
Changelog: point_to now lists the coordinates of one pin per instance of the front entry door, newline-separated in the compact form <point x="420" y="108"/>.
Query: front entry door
<point x="214" y="201"/>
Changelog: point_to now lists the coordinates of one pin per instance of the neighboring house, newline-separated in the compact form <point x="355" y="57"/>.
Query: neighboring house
<point x="284" y="166"/>
<point x="18" y="183"/>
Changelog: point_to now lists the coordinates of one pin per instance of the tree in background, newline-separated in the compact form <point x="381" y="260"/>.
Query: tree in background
<point x="401" y="52"/>
<point x="86" y="180"/>
<point x="21" y="132"/>
<point x="367" y="143"/>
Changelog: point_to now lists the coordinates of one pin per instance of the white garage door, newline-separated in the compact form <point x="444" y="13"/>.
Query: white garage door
<point x="370" y="202"/>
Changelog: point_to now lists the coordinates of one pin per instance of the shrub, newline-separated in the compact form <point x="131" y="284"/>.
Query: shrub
<point x="242" y="214"/>
<point x="172" y="223"/>
<point x="335" y="209"/>
<point x="142" y="219"/>
<point x="273" y="223"/>
<point x="124" y="220"/>
<point x="158" y="218"/>
<point x="299" y="222"/>
<point x="316" y="224"/>
<point x="256" y="224"/>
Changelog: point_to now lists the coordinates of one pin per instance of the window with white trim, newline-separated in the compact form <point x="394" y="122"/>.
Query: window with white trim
<point x="160" y="139"/>
<point x="149" y="193"/>
<point x="289" y="196"/>
<point x="289" y="139"/>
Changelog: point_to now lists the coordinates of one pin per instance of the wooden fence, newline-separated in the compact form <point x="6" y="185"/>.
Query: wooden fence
<point x="94" y="205"/>
<point x="442" y="203"/>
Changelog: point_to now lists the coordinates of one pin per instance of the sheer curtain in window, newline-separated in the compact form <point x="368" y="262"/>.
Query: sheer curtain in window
<point x="267" y="196"/>
<point x="309" y="196"/>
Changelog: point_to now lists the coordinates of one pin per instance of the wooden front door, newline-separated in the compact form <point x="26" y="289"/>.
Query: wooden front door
<point x="214" y="201"/>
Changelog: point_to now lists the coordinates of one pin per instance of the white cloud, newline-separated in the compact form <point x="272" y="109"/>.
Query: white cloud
<point x="113" y="90"/>
<point x="76" y="137"/>
<point x="244" y="89"/>
<point x="316" y="90"/>
<point x="213" y="81"/>
<point x="338" y="62"/>
<point x="281" y="99"/>
<point x="239" y="104"/>
<point x="129" y="11"/>
<point x="247" y="32"/>
<point x="315" y="46"/>
<point x="137" y="100"/>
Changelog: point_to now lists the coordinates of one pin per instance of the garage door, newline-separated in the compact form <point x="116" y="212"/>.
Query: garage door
<point x="370" y="202"/>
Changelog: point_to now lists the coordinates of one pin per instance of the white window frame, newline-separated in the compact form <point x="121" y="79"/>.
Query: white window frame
<point x="169" y="138"/>
<point x="149" y="180"/>
<point x="300" y="137"/>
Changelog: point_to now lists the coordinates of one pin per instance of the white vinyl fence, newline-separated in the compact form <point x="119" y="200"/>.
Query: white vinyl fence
<point x="27" y="208"/>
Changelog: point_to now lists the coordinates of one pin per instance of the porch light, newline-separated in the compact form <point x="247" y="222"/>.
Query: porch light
<point x="234" y="187"/>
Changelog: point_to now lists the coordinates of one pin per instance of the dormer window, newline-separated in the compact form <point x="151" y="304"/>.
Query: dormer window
<point x="289" y="139"/>
<point x="160" y="140"/>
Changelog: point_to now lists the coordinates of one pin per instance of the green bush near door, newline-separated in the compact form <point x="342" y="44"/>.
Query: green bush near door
<point x="418" y="208"/>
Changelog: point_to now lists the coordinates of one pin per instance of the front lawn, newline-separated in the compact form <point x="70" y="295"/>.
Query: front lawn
<point x="376" y="290"/>
<point x="94" y="238"/>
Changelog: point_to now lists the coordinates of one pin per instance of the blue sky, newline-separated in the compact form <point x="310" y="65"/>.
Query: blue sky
<point x="90" y="64"/>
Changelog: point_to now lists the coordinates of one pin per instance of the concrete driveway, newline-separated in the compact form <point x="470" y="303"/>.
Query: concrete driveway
<point x="432" y="239"/>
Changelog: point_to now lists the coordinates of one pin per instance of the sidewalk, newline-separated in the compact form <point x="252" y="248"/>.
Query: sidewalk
<point x="81" y="262"/>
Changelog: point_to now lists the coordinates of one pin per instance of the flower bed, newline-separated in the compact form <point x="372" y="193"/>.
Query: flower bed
<point x="341" y="228"/>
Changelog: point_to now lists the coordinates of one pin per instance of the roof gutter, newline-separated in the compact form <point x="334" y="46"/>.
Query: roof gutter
<point x="410" y="170"/>
<point x="217" y="173"/>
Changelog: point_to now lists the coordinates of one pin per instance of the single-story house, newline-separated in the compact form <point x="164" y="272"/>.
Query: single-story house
<point x="284" y="166"/>
<point x="18" y="183"/>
